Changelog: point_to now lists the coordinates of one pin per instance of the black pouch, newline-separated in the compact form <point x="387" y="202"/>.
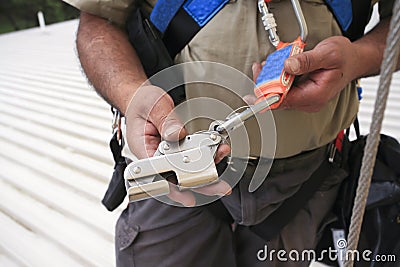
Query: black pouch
<point x="380" y="232"/>
<point x="147" y="42"/>
<point x="116" y="190"/>
<point x="151" y="50"/>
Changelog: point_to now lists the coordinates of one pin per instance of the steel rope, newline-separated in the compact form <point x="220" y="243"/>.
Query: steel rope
<point x="388" y="66"/>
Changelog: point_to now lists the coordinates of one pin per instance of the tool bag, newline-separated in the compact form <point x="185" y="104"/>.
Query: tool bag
<point x="381" y="226"/>
<point x="380" y="231"/>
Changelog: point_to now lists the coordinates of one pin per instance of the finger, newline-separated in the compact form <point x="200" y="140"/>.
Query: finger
<point x="221" y="188"/>
<point x="166" y="120"/>
<point x="222" y="152"/>
<point x="172" y="128"/>
<point x="186" y="198"/>
<point x="312" y="93"/>
<point x="143" y="138"/>
<point x="256" y="68"/>
<point x="302" y="97"/>
<point x="250" y="99"/>
<point x="321" y="57"/>
<point x="146" y="116"/>
<point x="153" y="104"/>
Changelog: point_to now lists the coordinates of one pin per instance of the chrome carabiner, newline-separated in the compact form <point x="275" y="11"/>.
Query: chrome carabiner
<point x="270" y="24"/>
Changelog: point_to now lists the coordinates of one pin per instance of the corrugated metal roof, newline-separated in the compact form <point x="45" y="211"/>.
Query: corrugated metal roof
<point x="370" y="86"/>
<point x="391" y="125"/>
<point x="54" y="156"/>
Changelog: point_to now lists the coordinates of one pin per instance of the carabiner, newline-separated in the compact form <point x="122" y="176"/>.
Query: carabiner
<point x="270" y="24"/>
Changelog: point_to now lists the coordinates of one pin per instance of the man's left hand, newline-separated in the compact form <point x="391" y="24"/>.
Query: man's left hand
<point x="326" y="70"/>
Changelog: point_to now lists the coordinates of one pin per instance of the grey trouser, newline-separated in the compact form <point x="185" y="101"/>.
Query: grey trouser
<point x="150" y="233"/>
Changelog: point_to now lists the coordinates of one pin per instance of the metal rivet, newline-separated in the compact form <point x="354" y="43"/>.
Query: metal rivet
<point x="137" y="170"/>
<point x="166" y="146"/>
<point x="186" y="159"/>
<point x="213" y="136"/>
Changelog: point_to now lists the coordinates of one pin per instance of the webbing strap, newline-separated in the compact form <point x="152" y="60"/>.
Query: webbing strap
<point x="180" y="20"/>
<point x="203" y="11"/>
<point x="116" y="190"/>
<point x="179" y="32"/>
<point x="343" y="12"/>
<point x="163" y="12"/>
<point x="351" y="15"/>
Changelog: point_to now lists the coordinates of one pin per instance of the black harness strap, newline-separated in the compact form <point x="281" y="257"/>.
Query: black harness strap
<point x="116" y="190"/>
<point x="180" y="31"/>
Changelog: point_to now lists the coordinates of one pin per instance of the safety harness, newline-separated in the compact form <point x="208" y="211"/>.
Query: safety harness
<point x="179" y="21"/>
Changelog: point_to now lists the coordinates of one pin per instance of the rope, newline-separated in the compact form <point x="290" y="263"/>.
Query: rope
<point x="388" y="66"/>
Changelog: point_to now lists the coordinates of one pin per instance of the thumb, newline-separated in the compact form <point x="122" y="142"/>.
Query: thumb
<point x="256" y="68"/>
<point x="172" y="129"/>
<point x="305" y="62"/>
<point x="166" y="120"/>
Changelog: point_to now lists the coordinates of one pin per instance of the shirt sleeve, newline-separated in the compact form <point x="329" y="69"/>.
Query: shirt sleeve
<point x="114" y="11"/>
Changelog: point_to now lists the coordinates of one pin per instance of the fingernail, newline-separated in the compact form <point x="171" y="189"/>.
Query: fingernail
<point x="189" y="203"/>
<point x="254" y="67"/>
<point x="293" y="64"/>
<point x="172" y="130"/>
<point x="226" y="193"/>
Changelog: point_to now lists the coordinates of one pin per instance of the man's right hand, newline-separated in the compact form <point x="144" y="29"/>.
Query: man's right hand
<point x="112" y="66"/>
<point x="149" y="119"/>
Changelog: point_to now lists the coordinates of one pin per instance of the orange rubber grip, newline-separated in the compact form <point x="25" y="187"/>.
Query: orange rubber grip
<point x="273" y="79"/>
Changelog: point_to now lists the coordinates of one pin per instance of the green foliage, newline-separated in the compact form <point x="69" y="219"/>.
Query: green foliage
<point x="21" y="14"/>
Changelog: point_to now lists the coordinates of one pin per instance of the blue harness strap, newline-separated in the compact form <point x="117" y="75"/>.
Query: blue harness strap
<point x="201" y="11"/>
<point x="343" y="11"/>
<point x="180" y="20"/>
<point x="163" y="12"/>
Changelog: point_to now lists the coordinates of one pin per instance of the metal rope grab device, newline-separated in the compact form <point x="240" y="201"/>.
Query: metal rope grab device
<point x="273" y="83"/>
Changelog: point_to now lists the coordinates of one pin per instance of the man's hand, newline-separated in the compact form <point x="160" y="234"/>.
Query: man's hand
<point x="331" y="65"/>
<point x="326" y="70"/>
<point x="150" y="118"/>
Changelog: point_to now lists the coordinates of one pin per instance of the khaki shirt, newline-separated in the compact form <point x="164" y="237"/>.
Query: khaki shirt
<point x="236" y="37"/>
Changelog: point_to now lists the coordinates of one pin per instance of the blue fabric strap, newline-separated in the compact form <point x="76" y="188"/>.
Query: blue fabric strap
<point x="343" y="11"/>
<point x="163" y="12"/>
<point x="274" y="65"/>
<point x="202" y="11"/>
